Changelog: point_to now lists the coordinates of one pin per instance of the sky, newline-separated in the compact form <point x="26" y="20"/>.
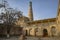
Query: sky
<point x="42" y="9"/>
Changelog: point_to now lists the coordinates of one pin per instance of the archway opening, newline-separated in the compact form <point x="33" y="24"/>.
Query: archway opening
<point x="53" y="30"/>
<point x="45" y="33"/>
<point x="26" y="33"/>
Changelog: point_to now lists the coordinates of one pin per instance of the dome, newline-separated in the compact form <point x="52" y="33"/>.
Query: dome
<point x="22" y="20"/>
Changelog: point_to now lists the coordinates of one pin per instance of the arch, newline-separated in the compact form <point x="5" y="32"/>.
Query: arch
<point x="53" y="27"/>
<point x="45" y="33"/>
<point x="30" y="31"/>
<point x="53" y="30"/>
<point x="36" y="30"/>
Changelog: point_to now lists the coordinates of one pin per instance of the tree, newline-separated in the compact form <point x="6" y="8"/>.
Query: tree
<point x="10" y="16"/>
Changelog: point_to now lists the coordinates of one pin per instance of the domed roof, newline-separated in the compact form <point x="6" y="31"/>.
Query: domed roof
<point x="22" y="20"/>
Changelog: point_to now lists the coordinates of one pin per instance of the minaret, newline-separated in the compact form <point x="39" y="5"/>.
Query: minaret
<point x="30" y="11"/>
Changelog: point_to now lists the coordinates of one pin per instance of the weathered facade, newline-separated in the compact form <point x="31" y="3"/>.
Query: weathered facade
<point x="45" y="27"/>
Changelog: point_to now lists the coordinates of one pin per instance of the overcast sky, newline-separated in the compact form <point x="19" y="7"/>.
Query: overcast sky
<point x="42" y="9"/>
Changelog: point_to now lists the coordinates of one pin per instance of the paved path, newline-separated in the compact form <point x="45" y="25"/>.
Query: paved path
<point x="31" y="38"/>
<point x="11" y="38"/>
<point x="42" y="38"/>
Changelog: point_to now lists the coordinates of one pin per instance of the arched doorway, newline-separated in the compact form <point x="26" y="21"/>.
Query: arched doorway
<point x="26" y="33"/>
<point x="53" y="30"/>
<point x="36" y="30"/>
<point x="45" y="33"/>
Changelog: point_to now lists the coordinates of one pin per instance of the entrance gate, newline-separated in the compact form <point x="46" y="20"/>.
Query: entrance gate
<point x="45" y="33"/>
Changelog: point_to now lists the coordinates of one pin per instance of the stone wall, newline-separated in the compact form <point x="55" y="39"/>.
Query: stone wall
<point x="37" y="29"/>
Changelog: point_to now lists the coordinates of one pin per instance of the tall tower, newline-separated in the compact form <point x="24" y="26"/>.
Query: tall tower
<point x="30" y="11"/>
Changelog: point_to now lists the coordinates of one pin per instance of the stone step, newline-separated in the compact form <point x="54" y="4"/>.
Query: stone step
<point x="32" y="38"/>
<point x="42" y="38"/>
